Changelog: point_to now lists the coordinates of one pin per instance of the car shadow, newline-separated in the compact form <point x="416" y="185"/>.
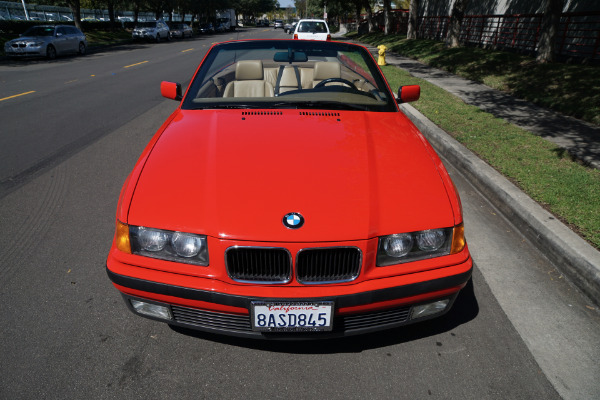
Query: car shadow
<point x="465" y="309"/>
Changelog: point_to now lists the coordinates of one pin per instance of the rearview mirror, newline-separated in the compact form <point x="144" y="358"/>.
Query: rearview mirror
<point x="290" y="56"/>
<point x="408" y="93"/>
<point x="171" y="90"/>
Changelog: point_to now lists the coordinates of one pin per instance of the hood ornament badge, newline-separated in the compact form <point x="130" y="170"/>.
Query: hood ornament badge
<point x="293" y="220"/>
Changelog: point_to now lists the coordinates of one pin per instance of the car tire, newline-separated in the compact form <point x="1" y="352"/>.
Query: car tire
<point x="50" y="52"/>
<point x="82" y="48"/>
<point x="157" y="38"/>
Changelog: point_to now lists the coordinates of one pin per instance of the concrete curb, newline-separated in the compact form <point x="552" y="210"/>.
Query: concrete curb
<point x="572" y="255"/>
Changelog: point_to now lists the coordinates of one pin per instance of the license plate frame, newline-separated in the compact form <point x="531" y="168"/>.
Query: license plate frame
<point x="291" y="316"/>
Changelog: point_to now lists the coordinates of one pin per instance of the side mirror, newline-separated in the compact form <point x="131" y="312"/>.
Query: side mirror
<point x="408" y="93"/>
<point x="171" y="90"/>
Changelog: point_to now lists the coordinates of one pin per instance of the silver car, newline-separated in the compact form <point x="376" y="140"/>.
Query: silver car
<point x="151" y="30"/>
<point x="181" y="31"/>
<point x="47" y="41"/>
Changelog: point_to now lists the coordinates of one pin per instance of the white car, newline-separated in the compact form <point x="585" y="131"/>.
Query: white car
<point x="312" y="29"/>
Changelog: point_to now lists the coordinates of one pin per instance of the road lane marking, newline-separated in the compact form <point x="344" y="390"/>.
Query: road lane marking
<point x="17" y="95"/>
<point x="133" y="65"/>
<point x="74" y="80"/>
<point x="185" y="51"/>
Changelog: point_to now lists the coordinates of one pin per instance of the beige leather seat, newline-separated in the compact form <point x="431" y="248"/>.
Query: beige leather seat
<point x="288" y="80"/>
<point x="249" y="81"/>
<point x="325" y="70"/>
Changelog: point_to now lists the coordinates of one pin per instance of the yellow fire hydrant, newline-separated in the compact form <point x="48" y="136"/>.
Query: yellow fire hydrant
<point x="381" y="60"/>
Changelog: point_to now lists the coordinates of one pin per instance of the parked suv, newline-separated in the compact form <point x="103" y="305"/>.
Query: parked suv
<point x="152" y="30"/>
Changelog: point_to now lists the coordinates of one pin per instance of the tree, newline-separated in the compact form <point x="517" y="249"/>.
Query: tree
<point x="251" y="8"/>
<point x="75" y="6"/>
<point x="387" y="17"/>
<point x="552" y="11"/>
<point x="370" y="20"/>
<point x="412" y="19"/>
<point x="456" y="19"/>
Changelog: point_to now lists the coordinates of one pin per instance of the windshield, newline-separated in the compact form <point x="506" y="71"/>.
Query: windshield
<point x="312" y="26"/>
<point x="151" y="24"/>
<point x="39" y="31"/>
<point x="289" y="74"/>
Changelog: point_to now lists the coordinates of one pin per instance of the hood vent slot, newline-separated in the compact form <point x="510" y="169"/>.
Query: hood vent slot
<point x="266" y="113"/>
<point x="320" y="113"/>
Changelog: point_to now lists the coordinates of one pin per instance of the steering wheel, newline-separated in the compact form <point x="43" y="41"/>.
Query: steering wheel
<point x="341" y="80"/>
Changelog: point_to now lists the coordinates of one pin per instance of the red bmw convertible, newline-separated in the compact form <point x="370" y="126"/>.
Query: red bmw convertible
<point x="289" y="197"/>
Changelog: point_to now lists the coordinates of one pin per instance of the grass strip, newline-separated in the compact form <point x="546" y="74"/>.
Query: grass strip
<point x="541" y="169"/>
<point x="571" y="89"/>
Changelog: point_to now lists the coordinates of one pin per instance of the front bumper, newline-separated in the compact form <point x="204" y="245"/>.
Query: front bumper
<point x="356" y="312"/>
<point x="25" y="52"/>
<point x="143" y="35"/>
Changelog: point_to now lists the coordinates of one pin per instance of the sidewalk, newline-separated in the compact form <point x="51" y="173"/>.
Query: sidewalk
<point x="576" y="258"/>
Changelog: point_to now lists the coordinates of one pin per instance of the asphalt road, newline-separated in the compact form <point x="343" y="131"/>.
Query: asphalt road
<point x="518" y="332"/>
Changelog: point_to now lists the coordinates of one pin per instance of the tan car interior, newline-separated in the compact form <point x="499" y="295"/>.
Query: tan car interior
<point x="253" y="79"/>
<point x="249" y="81"/>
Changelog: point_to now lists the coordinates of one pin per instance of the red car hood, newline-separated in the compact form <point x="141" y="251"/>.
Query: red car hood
<point x="236" y="174"/>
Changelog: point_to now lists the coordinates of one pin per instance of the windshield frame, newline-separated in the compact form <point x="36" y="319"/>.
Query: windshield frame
<point x="35" y="31"/>
<point x="295" y="99"/>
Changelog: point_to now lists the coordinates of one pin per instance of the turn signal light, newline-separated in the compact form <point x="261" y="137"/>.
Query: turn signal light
<point x="295" y="36"/>
<point x="122" y="237"/>
<point x="458" y="239"/>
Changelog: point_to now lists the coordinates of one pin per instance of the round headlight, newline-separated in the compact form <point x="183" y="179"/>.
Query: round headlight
<point x="186" y="245"/>
<point x="431" y="240"/>
<point x="398" y="245"/>
<point x="152" y="240"/>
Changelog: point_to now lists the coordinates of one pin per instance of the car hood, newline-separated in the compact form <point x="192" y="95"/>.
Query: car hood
<point x="236" y="174"/>
<point x="31" y="39"/>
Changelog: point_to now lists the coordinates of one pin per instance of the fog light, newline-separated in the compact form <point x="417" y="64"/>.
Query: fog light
<point x="151" y="310"/>
<point x="424" y="310"/>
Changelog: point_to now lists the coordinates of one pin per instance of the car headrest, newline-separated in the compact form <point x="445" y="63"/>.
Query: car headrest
<point x="249" y="70"/>
<point x="288" y="77"/>
<point x="326" y="70"/>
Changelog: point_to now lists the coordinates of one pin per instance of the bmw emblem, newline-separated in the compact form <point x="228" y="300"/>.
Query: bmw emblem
<point x="293" y="220"/>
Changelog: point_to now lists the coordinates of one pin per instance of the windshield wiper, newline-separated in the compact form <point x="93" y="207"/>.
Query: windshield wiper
<point x="313" y="105"/>
<point x="227" y="106"/>
<point x="327" y="105"/>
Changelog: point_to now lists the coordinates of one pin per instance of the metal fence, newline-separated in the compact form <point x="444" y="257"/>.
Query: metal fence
<point x="15" y="11"/>
<point x="579" y="33"/>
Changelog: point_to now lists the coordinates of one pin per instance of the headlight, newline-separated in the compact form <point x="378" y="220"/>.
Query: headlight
<point x="179" y="247"/>
<point x="186" y="245"/>
<point x="151" y="239"/>
<point x="404" y="247"/>
<point x="398" y="245"/>
<point x="35" y="44"/>
<point x="431" y="240"/>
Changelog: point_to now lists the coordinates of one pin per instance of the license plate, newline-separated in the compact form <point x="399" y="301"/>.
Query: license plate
<point x="292" y="317"/>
